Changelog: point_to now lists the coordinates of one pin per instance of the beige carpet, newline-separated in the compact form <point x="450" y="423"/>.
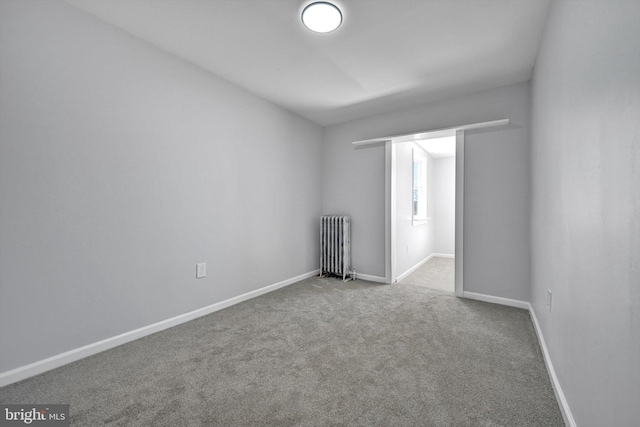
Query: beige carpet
<point x="438" y="273"/>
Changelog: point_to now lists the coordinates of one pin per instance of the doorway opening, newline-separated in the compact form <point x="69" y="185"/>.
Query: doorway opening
<point x="390" y="142"/>
<point x="425" y="212"/>
<point x="425" y="190"/>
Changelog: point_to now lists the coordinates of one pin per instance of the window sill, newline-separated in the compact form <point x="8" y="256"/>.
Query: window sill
<point x="420" y="221"/>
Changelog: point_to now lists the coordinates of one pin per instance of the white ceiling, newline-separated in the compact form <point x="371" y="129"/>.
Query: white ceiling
<point x="439" y="147"/>
<point x="387" y="55"/>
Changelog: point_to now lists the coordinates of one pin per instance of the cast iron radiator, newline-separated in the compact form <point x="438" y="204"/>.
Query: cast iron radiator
<point x="335" y="246"/>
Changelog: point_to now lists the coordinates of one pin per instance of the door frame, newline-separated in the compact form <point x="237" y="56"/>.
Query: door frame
<point x="391" y="274"/>
<point x="390" y="199"/>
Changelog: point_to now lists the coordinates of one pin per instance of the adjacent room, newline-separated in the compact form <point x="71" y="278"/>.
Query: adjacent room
<point x="167" y="168"/>
<point x="425" y="203"/>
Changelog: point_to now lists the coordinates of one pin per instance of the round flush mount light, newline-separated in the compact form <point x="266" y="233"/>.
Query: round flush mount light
<point x="321" y="17"/>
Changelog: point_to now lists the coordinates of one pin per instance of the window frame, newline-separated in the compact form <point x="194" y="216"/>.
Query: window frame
<point x="419" y="187"/>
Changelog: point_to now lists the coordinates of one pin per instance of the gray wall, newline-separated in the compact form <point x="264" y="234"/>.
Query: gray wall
<point x="497" y="190"/>
<point x="586" y="206"/>
<point x="444" y="214"/>
<point x="414" y="243"/>
<point x="120" y="168"/>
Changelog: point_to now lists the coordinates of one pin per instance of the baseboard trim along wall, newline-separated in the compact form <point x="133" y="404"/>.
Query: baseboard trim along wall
<point x="370" y="278"/>
<point x="496" y="300"/>
<point x="24" y="372"/>
<point x="562" y="400"/>
<point x="415" y="267"/>
<point x="421" y="263"/>
<point x="444" y="255"/>
<point x="67" y="357"/>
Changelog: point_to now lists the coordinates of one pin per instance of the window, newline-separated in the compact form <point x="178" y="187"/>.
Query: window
<point x="419" y="208"/>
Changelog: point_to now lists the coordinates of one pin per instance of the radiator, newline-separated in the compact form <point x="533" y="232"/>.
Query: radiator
<point x="335" y="246"/>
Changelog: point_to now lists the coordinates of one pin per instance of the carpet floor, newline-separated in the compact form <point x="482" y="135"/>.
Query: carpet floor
<point x="437" y="273"/>
<point x="317" y="353"/>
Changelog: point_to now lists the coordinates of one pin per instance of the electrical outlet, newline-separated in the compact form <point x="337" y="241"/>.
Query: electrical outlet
<point x="201" y="270"/>
<point x="549" y="297"/>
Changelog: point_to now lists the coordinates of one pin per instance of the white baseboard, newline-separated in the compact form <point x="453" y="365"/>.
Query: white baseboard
<point x="444" y="255"/>
<point x="415" y="267"/>
<point x="32" y="369"/>
<point x="562" y="400"/>
<point x="421" y="263"/>
<point x="560" y="397"/>
<point x="496" y="300"/>
<point x="370" y="278"/>
<point x="24" y="372"/>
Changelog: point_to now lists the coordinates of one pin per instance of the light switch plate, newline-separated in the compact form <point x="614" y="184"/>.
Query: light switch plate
<point x="201" y="270"/>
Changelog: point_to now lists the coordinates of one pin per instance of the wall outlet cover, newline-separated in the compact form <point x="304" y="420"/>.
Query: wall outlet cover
<point x="201" y="270"/>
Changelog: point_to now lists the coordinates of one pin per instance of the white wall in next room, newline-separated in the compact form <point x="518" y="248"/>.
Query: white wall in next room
<point x="444" y="213"/>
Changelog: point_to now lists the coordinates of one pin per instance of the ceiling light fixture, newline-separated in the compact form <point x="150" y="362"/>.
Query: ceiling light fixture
<point x="321" y="17"/>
